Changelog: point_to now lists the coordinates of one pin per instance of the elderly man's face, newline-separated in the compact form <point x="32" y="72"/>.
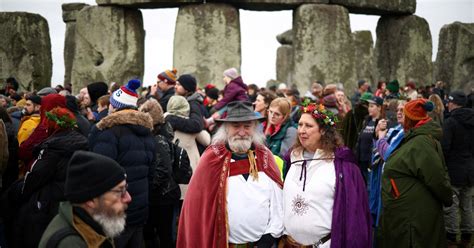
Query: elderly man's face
<point x="110" y="209"/>
<point x="239" y="135"/>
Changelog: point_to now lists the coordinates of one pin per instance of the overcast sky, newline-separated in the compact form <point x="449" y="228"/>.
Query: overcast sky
<point x="258" y="31"/>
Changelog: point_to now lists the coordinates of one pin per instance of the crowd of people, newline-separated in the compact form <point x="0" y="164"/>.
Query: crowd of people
<point x="176" y="165"/>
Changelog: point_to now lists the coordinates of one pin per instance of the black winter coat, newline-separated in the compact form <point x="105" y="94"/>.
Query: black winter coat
<point x="126" y="137"/>
<point x="165" y="191"/>
<point x="43" y="186"/>
<point x="458" y="146"/>
<point x="165" y="98"/>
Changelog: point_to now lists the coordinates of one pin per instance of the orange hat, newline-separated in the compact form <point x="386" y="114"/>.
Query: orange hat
<point x="418" y="109"/>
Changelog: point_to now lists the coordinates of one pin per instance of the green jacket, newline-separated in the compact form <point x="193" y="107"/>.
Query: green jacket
<point x="414" y="217"/>
<point x="280" y="142"/>
<point x="86" y="236"/>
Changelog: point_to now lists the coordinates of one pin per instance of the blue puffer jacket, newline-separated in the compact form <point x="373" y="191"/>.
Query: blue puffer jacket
<point x="126" y="137"/>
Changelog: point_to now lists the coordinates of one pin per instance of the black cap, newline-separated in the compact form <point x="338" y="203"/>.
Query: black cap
<point x="90" y="175"/>
<point x="376" y="100"/>
<point x="458" y="97"/>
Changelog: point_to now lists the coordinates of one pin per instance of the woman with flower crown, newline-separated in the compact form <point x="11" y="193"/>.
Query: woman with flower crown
<point x="324" y="196"/>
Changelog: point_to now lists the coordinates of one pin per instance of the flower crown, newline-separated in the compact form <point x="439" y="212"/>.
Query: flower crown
<point x="62" y="117"/>
<point x="320" y="114"/>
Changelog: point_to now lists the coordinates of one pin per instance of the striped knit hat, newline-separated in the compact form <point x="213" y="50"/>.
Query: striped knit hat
<point x="170" y="76"/>
<point x="126" y="96"/>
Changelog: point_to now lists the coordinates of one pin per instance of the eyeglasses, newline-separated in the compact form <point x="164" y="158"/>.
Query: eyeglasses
<point x="122" y="191"/>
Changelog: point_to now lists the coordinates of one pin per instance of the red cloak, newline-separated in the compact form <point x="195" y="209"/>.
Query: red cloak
<point x="203" y="220"/>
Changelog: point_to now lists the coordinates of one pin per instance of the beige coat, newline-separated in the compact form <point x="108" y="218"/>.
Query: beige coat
<point x="189" y="142"/>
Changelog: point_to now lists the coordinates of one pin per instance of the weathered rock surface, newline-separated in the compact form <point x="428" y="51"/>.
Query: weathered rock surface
<point x="455" y="58"/>
<point x="322" y="45"/>
<point x="364" y="55"/>
<point x="266" y="5"/>
<point x="25" y="49"/>
<point x="284" y="63"/>
<point x="378" y="7"/>
<point x="70" y="11"/>
<point x="109" y="46"/>
<point x="403" y="49"/>
<point x="207" y="41"/>
<point x="371" y="7"/>
<point x="269" y="5"/>
<point x="286" y="38"/>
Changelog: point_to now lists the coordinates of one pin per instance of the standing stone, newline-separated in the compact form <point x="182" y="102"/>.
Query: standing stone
<point x="286" y="38"/>
<point x="322" y="45"/>
<point x="364" y="55"/>
<point x="284" y="64"/>
<point x="70" y="11"/>
<point x="109" y="46"/>
<point x="378" y="7"/>
<point x="207" y="41"/>
<point x="403" y="49"/>
<point x="25" y="50"/>
<point x="455" y="58"/>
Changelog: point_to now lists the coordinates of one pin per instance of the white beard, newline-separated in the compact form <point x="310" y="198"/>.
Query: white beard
<point x="112" y="226"/>
<point x="240" y="145"/>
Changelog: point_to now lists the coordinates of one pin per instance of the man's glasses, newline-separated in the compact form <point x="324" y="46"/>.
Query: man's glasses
<point x="122" y="191"/>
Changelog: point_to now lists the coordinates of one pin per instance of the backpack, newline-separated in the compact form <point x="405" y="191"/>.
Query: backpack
<point x="182" y="170"/>
<point x="59" y="235"/>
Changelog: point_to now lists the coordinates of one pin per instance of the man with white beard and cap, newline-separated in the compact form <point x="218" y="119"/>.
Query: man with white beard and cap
<point x="234" y="198"/>
<point x="96" y="190"/>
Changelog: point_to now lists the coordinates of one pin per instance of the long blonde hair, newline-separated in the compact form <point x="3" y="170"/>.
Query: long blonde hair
<point x="439" y="106"/>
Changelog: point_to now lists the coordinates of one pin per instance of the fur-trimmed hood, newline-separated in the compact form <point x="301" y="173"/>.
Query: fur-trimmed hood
<point x="153" y="108"/>
<point x="126" y="116"/>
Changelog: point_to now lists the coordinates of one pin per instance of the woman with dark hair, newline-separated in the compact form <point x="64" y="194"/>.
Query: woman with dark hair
<point x="415" y="184"/>
<point x="324" y="197"/>
<point x="262" y="102"/>
<point x="381" y="86"/>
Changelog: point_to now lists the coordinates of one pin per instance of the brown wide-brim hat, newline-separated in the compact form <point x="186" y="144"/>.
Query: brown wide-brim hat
<point x="239" y="111"/>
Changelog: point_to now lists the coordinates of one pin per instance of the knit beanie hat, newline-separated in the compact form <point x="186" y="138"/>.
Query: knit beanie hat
<point x="97" y="90"/>
<point x="393" y="86"/>
<point x="231" y="73"/>
<point x="417" y="109"/>
<point x="90" y="175"/>
<point x="213" y="93"/>
<point x="178" y="105"/>
<point x="188" y="82"/>
<point x="126" y="96"/>
<point x="330" y="101"/>
<point x="170" y="76"/>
